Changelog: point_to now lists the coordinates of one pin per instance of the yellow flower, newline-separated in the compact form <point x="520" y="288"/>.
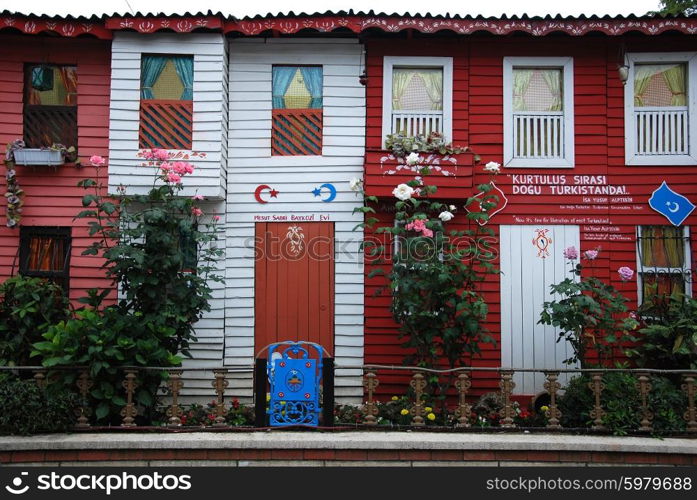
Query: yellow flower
<point x="282" y="403"/>
<point x="544" y="408"/>
<point x="404" y="411"/>
<point x="268" y="398"/>
<point x="395" y="398"/>
<point x="431" y="416"/>
<point x="428" y="409"/>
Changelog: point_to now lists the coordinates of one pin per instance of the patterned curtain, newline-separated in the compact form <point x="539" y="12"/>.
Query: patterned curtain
<point x="185" y="70"/>
<point x="642" y="77"/>
<point x="400" y="80"/>
<point x="553" y="79"/>
<point x="69" y="76"/>
<point x="434" y="86"/>
<point x="521" y="83"/>
<point x="313" y="82"/>
<point x="675" y="79"/>
<point x="150" y="70"/>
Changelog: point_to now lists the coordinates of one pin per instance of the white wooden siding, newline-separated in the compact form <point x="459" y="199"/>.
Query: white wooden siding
<point x="210" y="108"/>
<point x="251" y="164"/>
<point x="525" y="281"/>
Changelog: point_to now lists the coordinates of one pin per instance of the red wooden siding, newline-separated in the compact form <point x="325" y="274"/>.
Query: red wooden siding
<point x="606" y="221"/>
<point x="52" y="197"/>
<point x="165" y="124"/>
<point x="294" y="286"/>
<point x="296" y="132"/>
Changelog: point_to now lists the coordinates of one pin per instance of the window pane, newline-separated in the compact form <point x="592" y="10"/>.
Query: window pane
<point x="662" y="284"/>
<point x="297" y="87"/>
<point x="537" y="89"/>
<point x="49" y="85"/>
<point x="662" y="246"/>
<point x="417" y="89"/>
<point x="167" y="77"/>
<point x="46" y="253"/>
<point x="660" y="85"/>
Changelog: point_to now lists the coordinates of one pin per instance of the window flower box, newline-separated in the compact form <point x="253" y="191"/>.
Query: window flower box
<point x="30" y="156"/>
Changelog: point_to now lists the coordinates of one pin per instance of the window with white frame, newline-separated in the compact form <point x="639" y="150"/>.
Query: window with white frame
<point x="538" y="111"/>
<point x="417" y="95"/>
<point x="663" y="261"/>
<point x="660" y="107"/>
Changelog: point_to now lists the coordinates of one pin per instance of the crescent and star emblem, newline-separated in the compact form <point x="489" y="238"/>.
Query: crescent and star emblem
<point x="332" y="192"/>
<point x="675" y="206"/>
<point x="258" y="191"/>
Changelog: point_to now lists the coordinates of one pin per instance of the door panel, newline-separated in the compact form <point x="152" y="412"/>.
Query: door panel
<point x="531" y="261"/>
<point x="294" y="283"/>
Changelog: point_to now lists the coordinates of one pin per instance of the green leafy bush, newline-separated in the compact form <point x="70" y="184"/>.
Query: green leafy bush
<point x="668" y="338"/>
<point x="27" y="409"/>
<point x="622" y="403"/>
<point x="28" y="306"/>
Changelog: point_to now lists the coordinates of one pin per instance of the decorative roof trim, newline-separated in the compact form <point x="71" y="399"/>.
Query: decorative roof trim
<point x="394" y="24"/>
<point x="173" y="23"/>
<point x="66" y="28"/>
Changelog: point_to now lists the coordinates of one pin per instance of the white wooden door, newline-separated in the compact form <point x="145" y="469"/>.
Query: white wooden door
<point x="531" y="261"/>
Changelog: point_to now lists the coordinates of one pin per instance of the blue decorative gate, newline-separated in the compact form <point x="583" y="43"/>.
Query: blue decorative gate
<point x="294" y="376"/>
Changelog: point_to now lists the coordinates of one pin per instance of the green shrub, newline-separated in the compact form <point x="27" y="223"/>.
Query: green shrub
<point x="622" y="403"/>
<point x="28" y="306"/>
<point x="27" y="409"/>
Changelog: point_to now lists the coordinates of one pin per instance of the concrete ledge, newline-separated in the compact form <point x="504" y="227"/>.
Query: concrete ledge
<point x="347" y="441"/>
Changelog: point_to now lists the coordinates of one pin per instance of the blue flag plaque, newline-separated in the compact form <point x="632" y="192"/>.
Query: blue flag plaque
<point x="674" y="206"/>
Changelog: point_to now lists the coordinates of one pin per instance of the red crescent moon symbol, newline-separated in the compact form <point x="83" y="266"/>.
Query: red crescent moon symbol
<point x="258" y="190"/>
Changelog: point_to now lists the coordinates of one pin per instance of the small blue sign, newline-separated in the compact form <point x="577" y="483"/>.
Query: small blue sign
<point x="674" y="206"/>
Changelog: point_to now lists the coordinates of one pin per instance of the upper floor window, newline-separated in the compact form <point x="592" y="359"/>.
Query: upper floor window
<point x="297" y="110"/>
<point x="417" y="95"/>
<point x="660" y="109"/>
<point x="663" y="258"/>
<point x="44" y="252"/>
<point x="166" y="101"/>
<point x="538" y="114"/>
<point x="50" y="105"/>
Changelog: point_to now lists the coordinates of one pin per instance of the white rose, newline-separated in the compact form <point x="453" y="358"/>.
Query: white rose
<point x="355" y="184"/>
<point x="413" y="159"/>
<point x="492" y="167"/>
<point x="445" y="216"/>
<point x="452" y="208"/>
<point x="403" y="192"/>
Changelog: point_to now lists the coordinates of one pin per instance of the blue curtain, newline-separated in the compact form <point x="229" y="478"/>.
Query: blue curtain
<point x="150" y="69"/>
<point x="185" y="70"/>
<point x="313" y="82"/>
<point x="282" y="76"/>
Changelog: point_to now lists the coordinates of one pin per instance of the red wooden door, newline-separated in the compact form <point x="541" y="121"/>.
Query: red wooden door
<point x="294" y="283"/>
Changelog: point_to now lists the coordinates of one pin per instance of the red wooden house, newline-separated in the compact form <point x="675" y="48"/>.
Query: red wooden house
<point x="54" y="89"/>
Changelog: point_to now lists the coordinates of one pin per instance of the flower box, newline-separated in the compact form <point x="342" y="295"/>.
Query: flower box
<point x="452" y="174"/>
<point x="29" y="156"/>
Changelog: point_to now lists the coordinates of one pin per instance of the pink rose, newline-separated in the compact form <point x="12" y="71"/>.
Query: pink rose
<point x="570" y="253"/>
<point x="166" y="167"/>
<point x="625" y="273"/>
<point x="160" y="154"/>
<point x="147" y="154"/>
<point x="97" y="160"/>
<point x="590" y="254"/>
<point x="197" y="212"/>
<point x="189" y="168"/>
<point x="216" y="218"/>
<point x="198" y="197"/>
<point x="427" y="232"/>
<point x="174" y="178"/>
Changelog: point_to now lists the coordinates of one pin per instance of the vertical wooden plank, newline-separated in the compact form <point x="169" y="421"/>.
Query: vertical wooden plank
<point x="327" y="289"/>
<point x="260" y="284"/>
<point x="303" y="282"/>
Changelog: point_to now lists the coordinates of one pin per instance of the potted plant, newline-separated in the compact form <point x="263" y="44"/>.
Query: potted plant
<point x="55" y="154"/>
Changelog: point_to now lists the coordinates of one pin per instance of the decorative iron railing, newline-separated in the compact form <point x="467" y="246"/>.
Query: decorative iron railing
<point x="460" y="402"/>
<point x="414" y="123"/>
<point x="47" y="125"/>
<point x="296" y="132"/>
<point x="165" y="124"/>
<point x="661" y="131"/>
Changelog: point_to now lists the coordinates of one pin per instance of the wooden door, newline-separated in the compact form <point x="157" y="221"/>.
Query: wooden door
<point x="294" y="283"/>
<point x="531" y="260"/>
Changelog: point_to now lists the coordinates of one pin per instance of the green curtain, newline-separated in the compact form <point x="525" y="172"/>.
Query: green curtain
<point x="642" y="77"/>
<point x="553" y="79"/>
<point x="675" y="79"/>
<point x="400" y="80"/>
<point x="433" y="80"/>
<point x="521" y="82"/>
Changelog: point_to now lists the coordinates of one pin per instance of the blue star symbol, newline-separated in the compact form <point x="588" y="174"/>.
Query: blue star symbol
<point x="317" y="192"/>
